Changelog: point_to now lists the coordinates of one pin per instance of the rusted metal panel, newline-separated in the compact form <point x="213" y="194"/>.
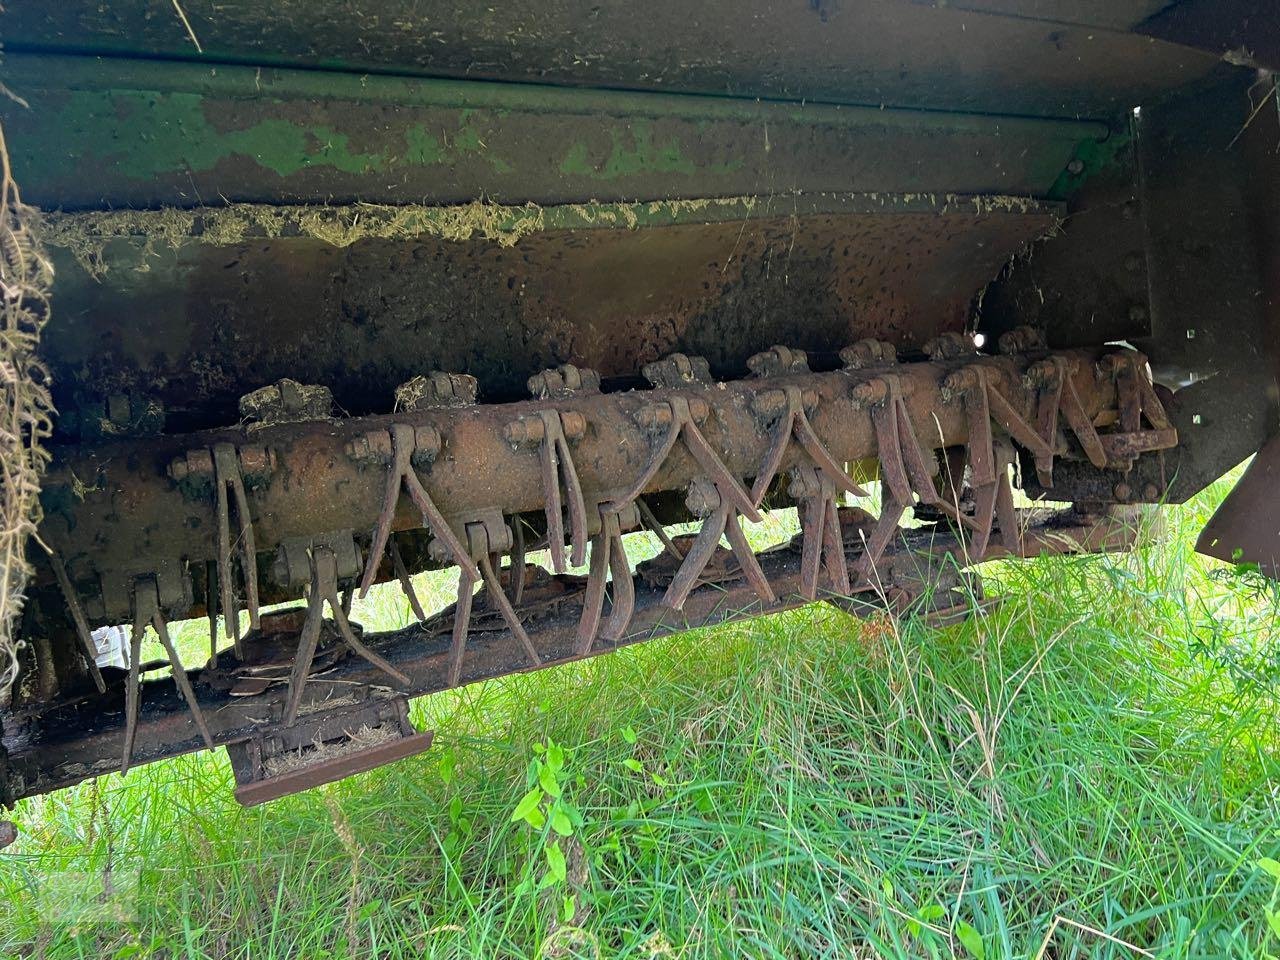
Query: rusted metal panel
<point x="113" y="134"/>
<point x="194" y="323"/>
<point x="862" y="51"/>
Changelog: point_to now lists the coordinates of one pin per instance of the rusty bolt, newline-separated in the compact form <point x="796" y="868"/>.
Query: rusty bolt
<point x="8" y="833"/>
<point x="1075" y="167"/>
<point x="178" y="469"/>
<point x="870" y="392"/>
<point x="703" y="498"/>
<point x="654" y="415"/>
<point x="1150" y="492"/>
<point x="1043" y="373"/>
<point x="1122" y="492"/>
<point x="809" y="399"/>
<point x="256" y="460"/>
<point x="574" y="424"/>
<point x="372" y="446"/>
<point x="699" y="409"/>
<point x="529" y="430"/>
<point x="426" y="444"/>
<point x="961" y="381"/>
<point x="804" y="484"/>
<point x="769" y="404"/>
<point x="1111" y="364"/>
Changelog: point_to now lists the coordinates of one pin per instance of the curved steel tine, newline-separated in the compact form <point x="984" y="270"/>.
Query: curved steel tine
<point x="344" y="627"/>
<point x="808" y="438"/>
<point x="308" y="638"/>
<point x="885" y="529"/>
<point x="84" y="636"/>
<point x="811" y="537"/>
<point x="593" y="598"/>
<point x="912" y="457"/>
<point x="1047" y="409"/>
<point x="1018" y="428"/>
<point x="1006" y="515"/>
<point x="436" y="523"/>
<point x="655" y="526"/>
<point x="726" y="483"/>
<point x="1080" y="423"/>
<point x="226" y="471"/>
<point x="211" y="609"/>
<point x="984" y="515"/>
<point x="981" y="453"/>
<point x="747" y="559"/>
<point x="893" y="473"/>
<point x="396" y="471"/>
<point x="517" y="559"/>
<point x="248" y="552"/>
<point x="577" y="505"/>
<point x="549" y="454"/>
<point x="180" y="677"/>
<point x="499" y="597"/>
<point x="696" y="560"/>
<point x="833" y="538"/>
<point x="655" y="461"/>
<point x="406" y="584"/>
<point x="773" y="458"/>
<point x="461" y="624"/>
<point x="230" y="611"/>
<point x="325" y="566"/>
<point x="624" y="588"/>
<point x="142" y="609"/>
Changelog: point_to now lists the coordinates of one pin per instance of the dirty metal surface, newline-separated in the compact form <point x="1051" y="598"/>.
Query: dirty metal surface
<point x="918" y="572"/>
<point x="1022" y="58"/>
<point x="194" y="322"/>
<point x="1246" y="527"/>
<point x="1241" y="31"/>
<point x="328" y="746"/>
<point x="1087" y="282"/>
<point x="114" y="511"/>
<point x="118" y="134"/>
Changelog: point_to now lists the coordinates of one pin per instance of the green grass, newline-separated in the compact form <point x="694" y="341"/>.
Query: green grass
<point x="1089" y="769"/>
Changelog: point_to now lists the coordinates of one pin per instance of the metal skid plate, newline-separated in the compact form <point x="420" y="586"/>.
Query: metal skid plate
<point x="329" y="746"/>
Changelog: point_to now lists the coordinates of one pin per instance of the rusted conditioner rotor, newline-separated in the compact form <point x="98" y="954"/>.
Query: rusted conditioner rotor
<point x="321" y="506"/>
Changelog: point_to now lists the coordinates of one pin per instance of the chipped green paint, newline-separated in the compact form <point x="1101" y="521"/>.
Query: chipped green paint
<point x="1091" y="158"/>
<point x="174" y="134"/>
<point x="633" y="151"/>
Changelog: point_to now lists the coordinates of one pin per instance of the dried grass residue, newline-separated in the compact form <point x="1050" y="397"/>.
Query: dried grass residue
<point x="26" y="409"/>
<point x="87" y="234"/>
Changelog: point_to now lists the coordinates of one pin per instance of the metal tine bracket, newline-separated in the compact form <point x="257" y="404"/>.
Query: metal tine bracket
<point x="487" y="537"/>
<point x="551" y="431"/>
<point x="822" y="543"/>
<point x="227" y="478"/>
<point x="324" y="588"/>
<point x="407" y="443"/>
<point x="1059" y="398"/>
<point x="146" y="610"/>
<point x="989" y="461"/>
<point x="680" y="417"/>
<point x="608" y="558"/>
<point x="720" y="518"/>
<point x="905" y="474"/>
<point x="788" y="407"/>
